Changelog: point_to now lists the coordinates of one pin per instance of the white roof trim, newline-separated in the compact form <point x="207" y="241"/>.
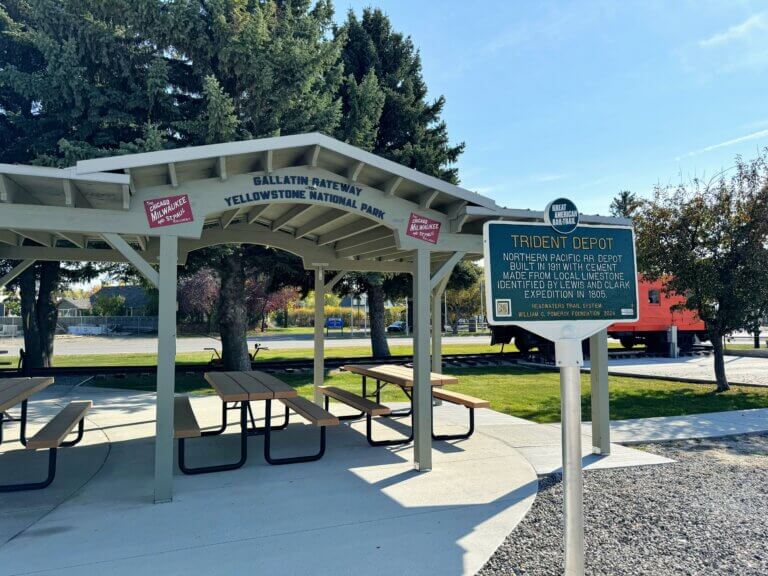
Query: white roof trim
<point x="63" y="174"/>
<point x="278" y="143"/>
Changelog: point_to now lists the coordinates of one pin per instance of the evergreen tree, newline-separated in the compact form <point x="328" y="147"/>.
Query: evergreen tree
<point x="73" y="85"/>
<point x="406" y="128"/>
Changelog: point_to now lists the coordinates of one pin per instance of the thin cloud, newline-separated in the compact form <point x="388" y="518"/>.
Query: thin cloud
<point x="740" y="139"/>
<point x="547" y="177"/>
<point x="754" y="23"/>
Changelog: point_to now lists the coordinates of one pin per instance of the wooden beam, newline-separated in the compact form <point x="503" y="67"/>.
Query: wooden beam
<point x="228" y="216"/>
<point x="267" y="164"/>
<point x="333" y="281"/>
<point x="316" y="223"/>
<point x="76" y="239"/>
<point x="118" y="243"/>
<point x="8" y="237"/>
<point x="43" y="238"/>
<point x="255" y="212"/>
<point x="73" y="196"/>
<point x="427" y="199"/>
<point x="372" y="236"/>
<point x="354" y="171"/>
<point x="289" y="216"/>
<point x="445" y="270"/>
<point x="392" y="185"/>
<point x="15" y="272"/>
<point x="362" y="225"/>
<point x="172" y="178"/>
<point x="221" y="167"/>
<point x="367" y="248"/>
<point x="11" y="192"/>
<point x="313" y="156"/>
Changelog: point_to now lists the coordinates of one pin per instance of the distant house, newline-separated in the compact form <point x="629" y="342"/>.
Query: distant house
<point x="73" y="307"/>
<point x="137" y="301"/>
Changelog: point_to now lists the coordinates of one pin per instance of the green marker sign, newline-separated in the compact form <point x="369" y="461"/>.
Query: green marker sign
<point x="537" y="274"/>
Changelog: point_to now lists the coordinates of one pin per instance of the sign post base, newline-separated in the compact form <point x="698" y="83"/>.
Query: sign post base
<point x="569" y="358"/>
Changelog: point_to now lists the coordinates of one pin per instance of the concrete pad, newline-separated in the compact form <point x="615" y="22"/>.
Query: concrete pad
<point x="739" y="369"/>
<point x="693" y="426"/>
<point x="358" y="509"/>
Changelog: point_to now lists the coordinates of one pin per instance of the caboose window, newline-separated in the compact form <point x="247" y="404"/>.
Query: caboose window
<point x="654" y="297"/>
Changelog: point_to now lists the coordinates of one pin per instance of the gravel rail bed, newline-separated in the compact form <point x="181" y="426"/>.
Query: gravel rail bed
<point x="705" y="514"/>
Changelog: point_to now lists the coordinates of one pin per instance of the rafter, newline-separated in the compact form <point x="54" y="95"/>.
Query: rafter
<point x="354" y="171"/>
<point x="289" y="216"/>
<point x="221" y="168"/>
<point x="228" y="216"/>
<point x="172" y="178"/>
<point x="428" y="198"/>
<point x="378" y="233"/>
<point x="13" y="192"/>
<point x="313" y="156"/>
<point x="76" y="239"/>
<point x="73" y="196"/>
<point x="362" y="225"/>
<point x="392" y="185"/>
<point x="43" y="238"/>
<point x="8" y="237"/>
<point x="315" y="223"/>
<point x="367" y="248"/>
<point x="255" y="212"/>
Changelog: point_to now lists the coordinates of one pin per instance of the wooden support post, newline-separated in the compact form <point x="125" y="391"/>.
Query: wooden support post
<point x="422" y="387"/>
<point x="318" y="377"/>
<point x="166" y="369"/>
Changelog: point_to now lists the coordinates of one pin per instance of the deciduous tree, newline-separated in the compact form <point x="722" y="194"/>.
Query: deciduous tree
<point x="709" y="242"/>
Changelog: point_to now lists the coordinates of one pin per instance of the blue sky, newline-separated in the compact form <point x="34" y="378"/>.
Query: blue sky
<point x="583" y="99"/>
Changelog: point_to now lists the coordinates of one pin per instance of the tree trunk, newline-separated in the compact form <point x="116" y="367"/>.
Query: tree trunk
<point x="379" y="344"/>
<point x="39" y="313"/>
<point x="32" y="351"/>
<point x="717" y="347"/>
<point x="233" y="318"/>
<point x="47" y="309"/>
<point x="756" y="335"/>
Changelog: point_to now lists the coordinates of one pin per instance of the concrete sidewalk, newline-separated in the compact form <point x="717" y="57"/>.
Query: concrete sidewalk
<point x="711" y="425"/>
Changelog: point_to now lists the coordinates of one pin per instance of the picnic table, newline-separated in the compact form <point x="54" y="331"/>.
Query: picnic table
<point x="403" y="377"/>
<point x="236" y="389"/>
<point x="51" y="436"/>
<point x="395" y="374"/>
<point x="14" y="391"/>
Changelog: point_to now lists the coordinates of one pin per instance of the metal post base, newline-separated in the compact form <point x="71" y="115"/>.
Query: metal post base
<point x="455" y="436"/>
<point x="221" y="467"/>
<point x="292" y="459"/>
<point x="36" y="485"/>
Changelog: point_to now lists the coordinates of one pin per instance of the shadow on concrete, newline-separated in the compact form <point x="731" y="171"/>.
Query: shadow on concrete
<point x="359" y="509"/>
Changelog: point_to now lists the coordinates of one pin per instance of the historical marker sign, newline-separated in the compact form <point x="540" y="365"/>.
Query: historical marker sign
<point x="537" y="274"/>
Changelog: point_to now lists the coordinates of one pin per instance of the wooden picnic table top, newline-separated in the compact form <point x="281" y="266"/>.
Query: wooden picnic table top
<point x="15" y="390"/>
<point x="242" y="386"/>
<point x="395" y="374"/>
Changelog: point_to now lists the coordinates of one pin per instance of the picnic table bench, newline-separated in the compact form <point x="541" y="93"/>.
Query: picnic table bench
<point x="52" y="435"/>
<point x="237" y="390"/>
<point x="403" y="377"/>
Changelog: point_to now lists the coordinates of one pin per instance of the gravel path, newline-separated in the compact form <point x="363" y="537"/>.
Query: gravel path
<point x="705" y="514"/>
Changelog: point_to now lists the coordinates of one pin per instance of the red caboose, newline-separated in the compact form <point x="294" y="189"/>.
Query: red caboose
<point x="658" y="312"/>
<point x="657" y="315"/>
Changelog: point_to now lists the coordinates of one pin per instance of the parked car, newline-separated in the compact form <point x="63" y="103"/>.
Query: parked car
<point x="397" y="326"/>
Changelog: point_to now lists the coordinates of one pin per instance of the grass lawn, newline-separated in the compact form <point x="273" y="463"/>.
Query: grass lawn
<point x="527" y="393"/>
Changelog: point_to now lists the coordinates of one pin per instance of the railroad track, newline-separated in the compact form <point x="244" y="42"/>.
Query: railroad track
<point x="484" y="359"/>
<point x="303" y="365"/>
